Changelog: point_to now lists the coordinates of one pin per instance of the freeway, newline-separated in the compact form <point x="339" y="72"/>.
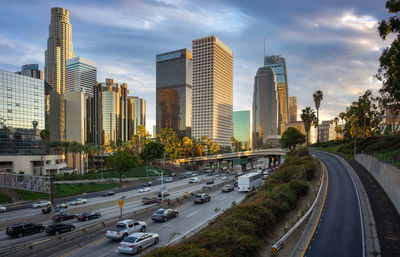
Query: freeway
<point x="108" y="210"/>
<point x="190" y="216"/>
<point x="340" y="230"/>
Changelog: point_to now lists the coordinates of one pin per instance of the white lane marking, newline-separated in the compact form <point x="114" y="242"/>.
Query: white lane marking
<point x="223" y="198"/>
<point x="193" y="213"/>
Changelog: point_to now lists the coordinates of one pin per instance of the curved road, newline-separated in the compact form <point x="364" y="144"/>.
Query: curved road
<point x="339" y="231"/>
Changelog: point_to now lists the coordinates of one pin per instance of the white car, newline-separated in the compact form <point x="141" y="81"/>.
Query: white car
<point x="225" y="178"/>
<point x="3" y="209"/>
<point x="194" y="180"/>
<point x="144" y="189"/>
<point x="124" y="228"/>
<point x="41" y="204"/>
<point x="79" y="201"/>
<point x="136" y="242"/>
<point x="168" y="180"/>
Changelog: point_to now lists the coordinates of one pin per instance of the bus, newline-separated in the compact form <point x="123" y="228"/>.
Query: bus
<point x="249" y="182"/>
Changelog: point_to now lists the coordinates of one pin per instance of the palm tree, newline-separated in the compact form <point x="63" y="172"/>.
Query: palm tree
<point x="74" y="149"/>
<point x="342" y="115"/>
<point x="318" y="96"/>
<point x="87" y="150"/>
<point x="308" y="117"/>
<point x="44" y="136"/>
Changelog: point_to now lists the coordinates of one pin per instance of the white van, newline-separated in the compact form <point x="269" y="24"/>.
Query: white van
<point x="194" y="180"/>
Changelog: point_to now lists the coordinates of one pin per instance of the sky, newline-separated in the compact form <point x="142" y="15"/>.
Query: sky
<point x="330" y="45"/>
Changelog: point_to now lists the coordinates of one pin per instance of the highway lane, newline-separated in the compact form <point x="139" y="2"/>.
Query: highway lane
<point x="339" y="230"/>
<point x="190" y="216"/>
<point x="106" y="212"/>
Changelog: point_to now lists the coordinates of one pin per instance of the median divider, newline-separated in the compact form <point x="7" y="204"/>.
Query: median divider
<point x="47" y="243"/>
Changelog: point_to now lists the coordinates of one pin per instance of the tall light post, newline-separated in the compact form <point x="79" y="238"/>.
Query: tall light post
<point x="162" y="183"/>
<point x="355" y="136"/>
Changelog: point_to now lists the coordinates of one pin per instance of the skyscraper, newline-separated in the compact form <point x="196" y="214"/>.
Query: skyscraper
<point x="265" y="107"/>
<point x="174" y="91"/>
<point x="31" y="70"/>
<point x="59" y="49"/>
<point x="293" y="109"/>
<point x="212" y="90"/>
<point x="136" y="114"/>
<point x="278" y="64"/>
<point x="241" y="128"/>
<point x="81" y="75"/>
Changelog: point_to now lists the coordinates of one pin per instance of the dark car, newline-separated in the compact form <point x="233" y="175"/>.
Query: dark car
<point x="23" y="229"/>
<point x="108" y="193"/>
<point x="57" y="228"/>
<point x="227" y="188"/>
<point x="63" y="216"/>
<point x="202" y="198"/>
<point x="172" y="174"/>
<point x="150" y="200"/>
<point x="89" y="216"/>
<point x="210" y="182"/>
<point x="147" y="184"/>
<point x="164" y="215"/>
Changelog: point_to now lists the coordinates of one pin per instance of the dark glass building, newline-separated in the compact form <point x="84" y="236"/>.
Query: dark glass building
<point x="241" y="129"/>
<point x="174" y="91"/>
<point x="31" y="70"/>
<point x="265" y="107"/>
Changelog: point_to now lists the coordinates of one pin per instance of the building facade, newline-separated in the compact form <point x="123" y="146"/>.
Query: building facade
<point x="110" y="113"/>
<point x="241" y="129"/>
<point x="81" y="75"/>
<point x="265" y="107"/>
<point x="324" y="130"/>
<point x="59" y="49"/>
<point x="278" y="64"/>
<point x="31" y="70"/>
<point x="212" y="101"/>
<point x="22" y="113"/>
<point x="174" y="91"/>
<point x="75" y="116"/>
<point x="292" y="109"/>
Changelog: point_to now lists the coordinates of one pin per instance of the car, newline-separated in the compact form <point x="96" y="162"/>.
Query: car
<point x="123" y="197"/>
<point x="88" y="216"/>
<point x="172" y="174"/>
<point x="210" y="182"/>
<point x="225" y="178"/>
<point x="210" y="174"/>
<point x="189" y="173"/>
<point x="23" y="229"/>
<point x="79" y="201"/>
<point x="41" y="204"/>
<point x="63" y="216"/>
<point x="217" y="175"/>
<point x="168" y="180"/>
<point x="183" y="176"/>
<point x="108" y="193"/>
<point x="227" y="188"/>
<point x="194" y="174"/>
<point x="202" y="198"/>
<point x="206" y="187"/>
<point x="3" y="208"/>
<point x="61" y="206"/>
<point x="209" y="171"/>
<point x="164" y="214"/>
<point x="194" y="180"/>
<point x="46" y="210"/>
<point x="147" y="184"/>
<point x="111" y="180"/>
<point x="144" y="189"/>
<point x="136" y="242"/>
<point x="150" y="200"/>
<point x="162" y="193"/>
<point x="57" y="228"/>
<point x="125" y="228"/>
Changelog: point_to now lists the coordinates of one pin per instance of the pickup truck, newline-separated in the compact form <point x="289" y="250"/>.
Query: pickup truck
<point x="125" y="228"/>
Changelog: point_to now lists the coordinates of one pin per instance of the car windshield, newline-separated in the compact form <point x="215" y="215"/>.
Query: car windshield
<point x="160" y="212"/>
<point x="130" y="239"/>
<point x="198" y="196"/>
<point x="120" y="225"/>
<point x="83" y="214"/>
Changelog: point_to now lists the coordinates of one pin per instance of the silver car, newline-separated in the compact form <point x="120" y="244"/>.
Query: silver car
<point x="41" y="204"/>
<point x="79" y="201"/>
<point x="136" y="242"/>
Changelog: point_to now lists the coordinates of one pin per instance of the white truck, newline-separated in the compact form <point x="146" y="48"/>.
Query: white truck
<point x="125" y="228"/>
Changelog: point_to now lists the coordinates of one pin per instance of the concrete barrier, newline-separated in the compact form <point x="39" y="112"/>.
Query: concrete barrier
<point x="387" y="175"/>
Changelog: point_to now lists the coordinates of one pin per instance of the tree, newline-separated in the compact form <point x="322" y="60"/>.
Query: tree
<point x="121" y="161"/>
<point x="44" y="136"/>
<point x="234" y="143"/>
<point x="152" y="151"/>
<point x="318" y="96"/>
<point x="342" y="115"/>
<point x="291" y="138"/>
<point x="308" y="117"/>
<point x="389" y="69"/>
<point x="186" y="144"/>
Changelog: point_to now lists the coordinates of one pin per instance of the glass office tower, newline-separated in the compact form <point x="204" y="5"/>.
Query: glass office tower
<point x="265" y="107"/>
<point x="241" y="128"/>
<point x="21" y="112"/>
<point x="174" y="91"/>
<point x="278" y="64"/>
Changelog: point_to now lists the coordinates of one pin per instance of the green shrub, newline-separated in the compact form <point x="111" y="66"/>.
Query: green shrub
<point x="30" y="195"/>
<point x="5" y="199"/>
<point x="299" y="187"/>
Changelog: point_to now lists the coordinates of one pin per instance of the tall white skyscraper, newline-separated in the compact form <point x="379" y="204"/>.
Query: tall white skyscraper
<point x="212" y="102"/>
<point x="80" y="75"/>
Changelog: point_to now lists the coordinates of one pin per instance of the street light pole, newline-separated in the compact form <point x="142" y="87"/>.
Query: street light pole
<point x="355" y="139"/>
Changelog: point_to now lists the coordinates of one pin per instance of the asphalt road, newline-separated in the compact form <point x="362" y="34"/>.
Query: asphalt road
<point x="190" y="216"/>
<point x="339" y="231"/>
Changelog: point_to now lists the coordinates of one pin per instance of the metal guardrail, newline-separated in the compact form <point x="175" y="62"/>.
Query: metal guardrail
<point x="73" y="234"/>
<point x="278" y="245"/>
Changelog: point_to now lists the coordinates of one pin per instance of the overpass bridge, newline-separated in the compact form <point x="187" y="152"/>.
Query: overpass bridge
<point x="274" y="156"/>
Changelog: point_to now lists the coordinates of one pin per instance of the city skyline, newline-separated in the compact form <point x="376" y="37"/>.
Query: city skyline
<point x="331" y="49"/>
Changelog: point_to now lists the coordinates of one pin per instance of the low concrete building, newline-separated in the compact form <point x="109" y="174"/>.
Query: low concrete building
<point x="30" y="164"/>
